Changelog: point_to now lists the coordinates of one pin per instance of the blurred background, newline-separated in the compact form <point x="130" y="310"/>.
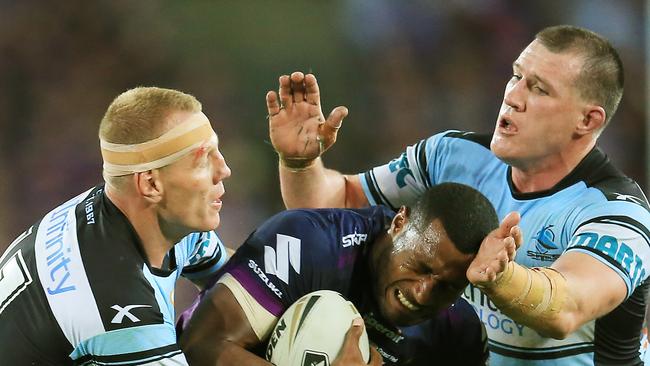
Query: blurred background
<point x="405" y="69"/>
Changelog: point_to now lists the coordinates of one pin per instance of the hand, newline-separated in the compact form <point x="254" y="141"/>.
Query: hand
<point x="350" y="355"/>
<point x="298" y="130"/>
<point x="496" y="251"/>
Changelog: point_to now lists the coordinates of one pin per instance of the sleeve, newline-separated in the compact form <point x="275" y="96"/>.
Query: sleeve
<point x="403" y="179"/>
<point x="151" y="344"/>
<point x="283" y="260"/>
<point x="259" y="318"/>
<point x="206" y="254"/>
<point x="616" y="233"/>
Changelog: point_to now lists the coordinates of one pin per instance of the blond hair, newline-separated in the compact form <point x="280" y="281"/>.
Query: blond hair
<point x="140" y="114"/>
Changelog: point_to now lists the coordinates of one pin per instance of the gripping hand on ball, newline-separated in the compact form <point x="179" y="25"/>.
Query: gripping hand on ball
<point x="350" y="354"/>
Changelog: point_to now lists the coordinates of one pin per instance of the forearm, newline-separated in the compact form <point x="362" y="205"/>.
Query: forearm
<point x="312" y="187"/>
<point x="535" y="297"/>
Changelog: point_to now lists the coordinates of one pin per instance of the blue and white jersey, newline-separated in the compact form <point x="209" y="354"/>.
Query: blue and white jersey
<point x="595" y="210"/>
<point x="76" y="289"/>
<point x="300" y="251"/>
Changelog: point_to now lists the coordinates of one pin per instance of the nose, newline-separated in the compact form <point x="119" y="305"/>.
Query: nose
<point x="514" y="96"/>
<point x="222" y="170"/>
<point x="424" y="290"/>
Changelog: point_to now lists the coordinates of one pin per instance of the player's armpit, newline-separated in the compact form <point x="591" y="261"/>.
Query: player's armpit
<point x="219" y="332"/>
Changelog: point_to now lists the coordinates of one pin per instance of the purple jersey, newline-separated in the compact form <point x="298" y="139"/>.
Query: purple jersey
<point x="300" y="251"/>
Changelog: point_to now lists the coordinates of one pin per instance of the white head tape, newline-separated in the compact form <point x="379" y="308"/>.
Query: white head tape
<point x="125" y="159"/>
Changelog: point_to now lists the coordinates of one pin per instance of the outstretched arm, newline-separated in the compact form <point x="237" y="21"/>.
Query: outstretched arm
<point x="300" y="134"/>
<point x="554" y="301"/>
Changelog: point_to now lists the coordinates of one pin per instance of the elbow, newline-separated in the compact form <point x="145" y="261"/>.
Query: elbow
<point x="558" y="329"/>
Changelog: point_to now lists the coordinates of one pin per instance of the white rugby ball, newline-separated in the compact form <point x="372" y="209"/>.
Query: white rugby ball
<point x="312" y="330"/>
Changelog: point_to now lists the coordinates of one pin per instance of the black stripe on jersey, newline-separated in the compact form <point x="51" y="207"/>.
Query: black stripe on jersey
<point x="421" y="161"/>
<point x="624" y="221"/>
<point x="205" y="265"/>
<point x="375" y="192"/>
<point x="537" y="354"/>
<point x="603" y="256"/>
<point x="135" y="358"/>
<point x="479" y="138"/>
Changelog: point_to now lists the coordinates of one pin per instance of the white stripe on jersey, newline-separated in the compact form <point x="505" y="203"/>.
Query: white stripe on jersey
<point x="62" y="274"/>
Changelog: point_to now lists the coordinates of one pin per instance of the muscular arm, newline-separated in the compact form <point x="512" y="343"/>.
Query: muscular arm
<point x="219" y="333"/>
<point x="318" y="187"/>
<point x="578" y="288"/>
<point x="300" y="134"/>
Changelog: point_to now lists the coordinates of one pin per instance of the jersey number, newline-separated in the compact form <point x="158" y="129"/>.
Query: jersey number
<point x="14" y="276"/>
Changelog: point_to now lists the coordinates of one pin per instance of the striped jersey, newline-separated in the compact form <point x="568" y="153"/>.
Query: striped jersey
<point x="76" y="289"/>
<point x="595" y="210"/>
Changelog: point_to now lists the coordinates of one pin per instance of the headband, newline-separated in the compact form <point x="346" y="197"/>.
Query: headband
<point x="125" y="159"/>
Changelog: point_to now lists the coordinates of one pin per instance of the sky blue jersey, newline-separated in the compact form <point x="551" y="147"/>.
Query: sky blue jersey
<point x="595" y="210"/>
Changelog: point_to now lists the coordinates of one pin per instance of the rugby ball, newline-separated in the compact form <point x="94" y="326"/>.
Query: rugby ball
<point x="311" y="331"/>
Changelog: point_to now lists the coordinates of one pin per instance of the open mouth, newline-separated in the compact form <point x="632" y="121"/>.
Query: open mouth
<point x="506" y="125"/>
<point x="404" y="301"/>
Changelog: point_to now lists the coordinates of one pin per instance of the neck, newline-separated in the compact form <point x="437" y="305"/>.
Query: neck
<point x="546" y="173"/>
<point x="146" y="223"/>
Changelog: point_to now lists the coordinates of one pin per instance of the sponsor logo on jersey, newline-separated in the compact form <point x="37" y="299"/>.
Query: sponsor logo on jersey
<point x="387" y="332"/>
<point x="401" y="166"/>
<point x="619" y="251"/>
<point x="258" y="271"/>
<point x="58" y="250"/>
<point x="489" y="314"/>
<point x="627" y="197"/>
<point x="314" y="358"/>
<point x="353" y="239"/>
<point x="123" y="312"/>
<point x="286" y="254"/>
<point x="544" y="246"/>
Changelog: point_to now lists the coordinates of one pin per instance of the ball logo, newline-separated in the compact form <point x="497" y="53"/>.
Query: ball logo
<point x="313" y="358"/>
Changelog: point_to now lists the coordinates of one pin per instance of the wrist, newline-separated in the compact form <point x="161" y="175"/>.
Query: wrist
<point x="296" y="164"/>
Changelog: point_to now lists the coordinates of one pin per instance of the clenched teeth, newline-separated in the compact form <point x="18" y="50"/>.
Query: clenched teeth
<point x="405" y="302"/>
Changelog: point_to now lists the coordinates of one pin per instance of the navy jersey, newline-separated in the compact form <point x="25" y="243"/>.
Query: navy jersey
<point x="75" y="288"/>
<point x="594" y="210"/>
<point x="300" y="251"/>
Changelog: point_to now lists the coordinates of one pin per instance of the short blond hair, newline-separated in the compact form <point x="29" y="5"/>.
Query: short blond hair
<point x="140" y="114"/>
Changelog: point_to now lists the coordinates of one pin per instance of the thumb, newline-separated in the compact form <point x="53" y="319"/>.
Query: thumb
<point x="330" y="128"/>
<point x="512" y="219"/>
<point x="352" y="336"/>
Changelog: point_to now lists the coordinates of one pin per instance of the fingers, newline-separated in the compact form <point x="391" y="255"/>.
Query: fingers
<point x="510" y="248"/>
<point x="298" y="86"/>
<point x="312" y="92"/>
<point x="285" y="91"/>
<point x="375" y="357"/>
<point x="508" y="222"/>
<point x="517" y="235"/>
<point x="352" y="336"/>
<point x="272" y="103"/>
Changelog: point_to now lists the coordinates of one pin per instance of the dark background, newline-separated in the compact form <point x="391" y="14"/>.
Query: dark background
<point x="405" y="69"/>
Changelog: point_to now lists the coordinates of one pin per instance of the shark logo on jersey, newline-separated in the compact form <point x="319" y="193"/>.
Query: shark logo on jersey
<point x="401" y="166"/>
<point x="544" y="245"/>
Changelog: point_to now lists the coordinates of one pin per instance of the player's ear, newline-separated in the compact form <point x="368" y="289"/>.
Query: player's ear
<point x="400" y="220"/>
<point x="149" y="185"/>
